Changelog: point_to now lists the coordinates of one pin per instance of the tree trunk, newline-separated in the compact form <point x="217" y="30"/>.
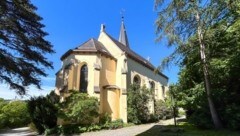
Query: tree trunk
<point x="174" y="116"/>
<point x="217" y="122"/>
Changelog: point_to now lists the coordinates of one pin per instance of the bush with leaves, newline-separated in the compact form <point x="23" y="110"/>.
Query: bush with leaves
<point x="14" y="114"/>
<point x="79" y="108"/>
<point x="105" y="118"/>
<point x="43" y="112"/>
<point x="76" y="128"/>
<point x="3" y="119"/>
<point x="137" y="104"/>
<point x="114" y="124"/>
<point x="162" y="111"/>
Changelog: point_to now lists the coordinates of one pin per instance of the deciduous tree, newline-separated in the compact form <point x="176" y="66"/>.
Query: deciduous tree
<point x="179" y="20"/>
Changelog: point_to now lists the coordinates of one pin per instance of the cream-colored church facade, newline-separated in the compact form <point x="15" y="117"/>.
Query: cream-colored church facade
<point x="105" y="68"/>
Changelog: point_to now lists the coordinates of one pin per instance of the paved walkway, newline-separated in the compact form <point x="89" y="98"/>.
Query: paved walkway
<point x="127" y="131"/>
<point x="25" y="131"/>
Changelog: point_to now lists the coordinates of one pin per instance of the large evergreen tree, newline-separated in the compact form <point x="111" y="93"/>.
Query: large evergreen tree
<point x="179" y="20"/>
<point x="22" y="45"/>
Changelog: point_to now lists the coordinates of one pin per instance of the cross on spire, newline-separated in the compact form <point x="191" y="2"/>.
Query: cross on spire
<point x="122" y="14"/>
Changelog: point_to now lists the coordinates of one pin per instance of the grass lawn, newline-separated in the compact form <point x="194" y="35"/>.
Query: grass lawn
<point x="186" y="129"/>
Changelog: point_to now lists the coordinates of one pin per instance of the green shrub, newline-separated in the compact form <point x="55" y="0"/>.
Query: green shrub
<point x="3" y="117"/>
<point x="201" y="118"/>
<point x="105" y="118"/>
<point x="153" y="118"/>
<point x="80" y="128"/>
<point x="3" y="121"/>
<point x="137" y="104"/>
<point x="2" y="104"/>
<point x="14" y="114"/>
<point x="79" y="108"/>
<point x="43" y="113"/>
<point x="114" y="124"/>
<point x="231" y="115"/>
<point x="161" y="110"/>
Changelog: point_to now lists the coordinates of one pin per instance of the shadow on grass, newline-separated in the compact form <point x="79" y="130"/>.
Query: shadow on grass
<point x="185" y="130"/>
<point x="161" y="130"/>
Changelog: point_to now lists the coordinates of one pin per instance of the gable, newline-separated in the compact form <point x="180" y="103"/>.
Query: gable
<point x="110" y="45"/>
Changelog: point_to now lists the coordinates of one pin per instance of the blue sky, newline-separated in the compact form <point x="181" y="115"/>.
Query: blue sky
<point x="72" y="22"/>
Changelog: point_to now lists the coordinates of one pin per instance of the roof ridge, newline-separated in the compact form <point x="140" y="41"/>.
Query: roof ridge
<point x="134" y="55"/>
<point x="90" y="45"/>
<point x="127" y="48"/>
<point x="83" y="43"/>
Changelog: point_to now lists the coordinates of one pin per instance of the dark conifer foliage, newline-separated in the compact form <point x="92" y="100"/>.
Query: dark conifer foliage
<point x="22" y="45"/>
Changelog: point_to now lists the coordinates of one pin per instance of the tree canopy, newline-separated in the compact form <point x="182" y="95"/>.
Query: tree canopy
<point x="187" y="23"/>
<point x="223" y="51"/>
<point x="22" y="45"/>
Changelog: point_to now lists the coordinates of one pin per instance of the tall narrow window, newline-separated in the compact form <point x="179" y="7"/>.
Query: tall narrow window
<point x="152" y="86"/>
<point x="163" y="91"/>
<point x="84" y="79"/>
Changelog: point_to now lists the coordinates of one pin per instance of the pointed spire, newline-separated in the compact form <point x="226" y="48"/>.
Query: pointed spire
<point x="123" y="34"/>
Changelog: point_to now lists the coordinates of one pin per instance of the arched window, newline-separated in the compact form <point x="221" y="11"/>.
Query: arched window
<point x="137" y="80"/>
<point x="163" y="91"/>
<point x="152" y="86"/>
<point x="83" y="78"/>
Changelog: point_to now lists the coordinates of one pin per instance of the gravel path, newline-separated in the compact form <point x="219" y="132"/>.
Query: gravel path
<point x="129" y="131"/>
<point x="25" y="131"/>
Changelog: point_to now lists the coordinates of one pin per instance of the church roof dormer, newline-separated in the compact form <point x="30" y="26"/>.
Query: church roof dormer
<point x="123" y="35"/>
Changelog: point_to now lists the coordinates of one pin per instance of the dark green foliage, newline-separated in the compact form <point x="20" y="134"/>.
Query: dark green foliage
<point x="105" y="118"/>
<point x="2" y="104"/>
<point x="137" y="104"/>
<point x="231" y="114"/>
<point x="22" y="45"/>
<point x="113" y="124"/>
<point x="79" y="108"/>
<point x="3" y="119"/>
<point x="79" y="128"/>
<point x="201" y="118"/>
<point x="14" y="114"/>
<point x="162" y="111"/>
<point x="71" y="129"/>
<point x="43" y="113"/>
<point x="153" y="118"/>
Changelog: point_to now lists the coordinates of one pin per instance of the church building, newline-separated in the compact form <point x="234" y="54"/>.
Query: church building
<point x="105" y="68"/>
